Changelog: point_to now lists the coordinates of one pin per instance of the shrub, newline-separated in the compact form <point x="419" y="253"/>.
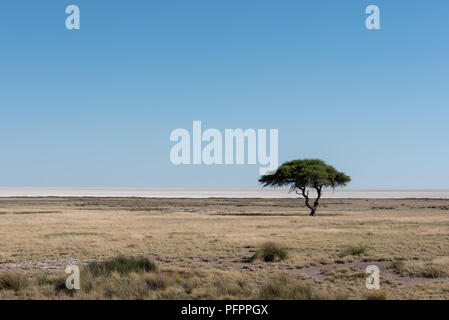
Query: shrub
<point x="354" y="251"/>
<point x="13" y="281"/>
<point x="270" y="252"/>
<point x="122" y="265"/>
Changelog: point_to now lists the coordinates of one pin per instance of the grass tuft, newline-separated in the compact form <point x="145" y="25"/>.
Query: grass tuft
<point x="284" y="288"/>
<point x="270" y="252"/>
<point x="122" y="265"/>
<point x="354" y="251"/>
<point x="421" y="269"/>
<point x="129" y="287"/>
<point x="227" y="287"/>
<point x="13" y="281"/>
<point x="157" y="282"/>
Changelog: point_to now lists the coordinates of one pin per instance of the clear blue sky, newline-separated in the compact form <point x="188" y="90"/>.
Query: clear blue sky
<point x="95" y="107"/>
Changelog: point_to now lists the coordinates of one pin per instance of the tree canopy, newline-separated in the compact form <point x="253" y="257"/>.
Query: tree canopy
<point x="304" y="175"/>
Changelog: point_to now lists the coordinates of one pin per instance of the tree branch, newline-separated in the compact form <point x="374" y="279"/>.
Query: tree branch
<point x="306" y="196"/>
<point x="318" y="191"/>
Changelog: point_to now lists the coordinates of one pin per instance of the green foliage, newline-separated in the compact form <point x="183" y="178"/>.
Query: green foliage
<point x="305" y="173"/>
<point x="354" y="251"/>
<point x="302" y="175"/>
<point x="270" y="252"/>
<point x="122" y="265"/>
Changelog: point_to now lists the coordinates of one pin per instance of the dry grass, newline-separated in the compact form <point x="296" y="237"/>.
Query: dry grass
<point x="435" y="269"/>
<point x="378" y="295"/>
<point x="121" y="265"/>
<point x="152" y="283"/>
<point x="212" y="237"/>
<point x="13" y="281"/>
<point x="284" y="288"/>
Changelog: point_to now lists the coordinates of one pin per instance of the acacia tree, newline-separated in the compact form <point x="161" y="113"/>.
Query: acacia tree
<point x="302" y="176"/>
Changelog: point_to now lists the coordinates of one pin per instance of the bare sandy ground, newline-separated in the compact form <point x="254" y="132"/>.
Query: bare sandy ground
<point x="408" y="239"/>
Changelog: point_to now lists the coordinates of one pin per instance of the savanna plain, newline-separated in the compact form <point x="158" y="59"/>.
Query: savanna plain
<point x="217" y="248"/>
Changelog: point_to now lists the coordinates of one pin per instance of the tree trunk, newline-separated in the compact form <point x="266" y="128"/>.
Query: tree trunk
<point x="312" y="212"/>
<point x="316" y="203"/>
<point x="305" y="194"/>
